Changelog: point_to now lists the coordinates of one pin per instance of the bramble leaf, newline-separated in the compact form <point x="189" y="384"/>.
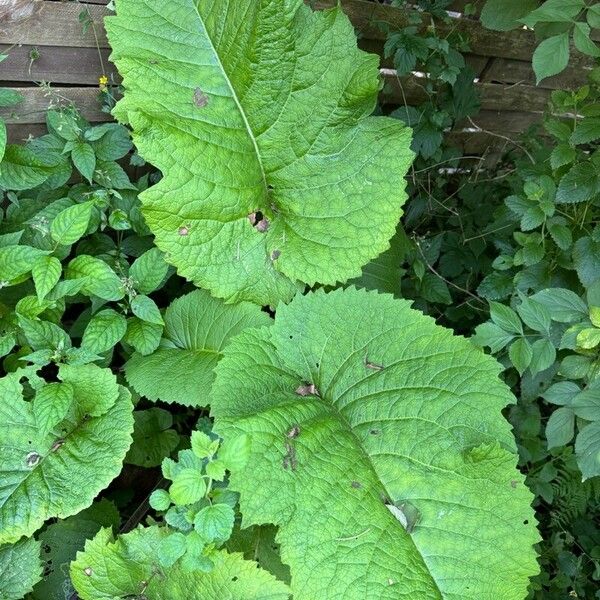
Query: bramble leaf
<point x="297" y="189"/>
<point x="359" y="408"/>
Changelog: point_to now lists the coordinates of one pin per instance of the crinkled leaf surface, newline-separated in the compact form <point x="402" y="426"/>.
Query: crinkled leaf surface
<point x="402" y="413"/>
<point x="20" y="568"/>
<point x="260" y="108"/>
<point x="118" y="569"/>
<point x="197" y="327"/>
<point x="153" y="438"/>
<point x="57" y="471"/>
<point x="62" y="540"/>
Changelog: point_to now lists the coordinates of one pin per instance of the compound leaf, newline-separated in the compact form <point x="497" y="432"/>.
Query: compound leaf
<point x="273" y="171"/>
<point x="377" y="442"/>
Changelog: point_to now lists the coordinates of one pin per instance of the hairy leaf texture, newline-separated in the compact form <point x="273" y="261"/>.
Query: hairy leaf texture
<point x="20" y="568"/>
<point x="128" y="568"/>
<point x="256" y="112"/>
<point x="197" y="328"/>
<point x="379" y="449"/>
<point x="53" y="464"/>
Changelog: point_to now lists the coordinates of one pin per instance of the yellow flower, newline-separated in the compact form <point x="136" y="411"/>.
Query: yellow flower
<point x="102" y="82"/>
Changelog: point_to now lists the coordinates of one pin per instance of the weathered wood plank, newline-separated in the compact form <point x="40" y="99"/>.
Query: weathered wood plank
<point x="38" y="100"/>
<point x="57" y="24"/>
<point x="501" y="121"/>
<point x="508" y="71"/>
<point x="493" y="96"/>
<point x="55" y="64"/>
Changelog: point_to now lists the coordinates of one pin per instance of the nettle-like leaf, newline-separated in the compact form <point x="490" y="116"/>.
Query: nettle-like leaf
<point x="257" y="113"/>
<point x="20" y="568"/>
<point x="60" y="449"/>
<point x="129" y="567"/>
<point x="197" y="327"/>
<point x="379" y="449"/>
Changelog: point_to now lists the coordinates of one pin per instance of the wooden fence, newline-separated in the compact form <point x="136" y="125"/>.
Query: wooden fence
<point x="54" y="46"/>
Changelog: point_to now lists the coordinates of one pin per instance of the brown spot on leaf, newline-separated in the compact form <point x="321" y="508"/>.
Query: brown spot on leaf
<point x="374" y="432"/>
<point x="513" y="484"/>
<point x="289" y="460"/>
<point x="57" y="444"/>
<point x="356" y="485"/>
<point x="88" y="571"/>
<point x="308" y="389"/>
<point x="32" y="459"/>
<point x="263" y="225"/>
<point x="183" y="231"/>
<point x="294" y="432"/>
<point x="374" y="366"/>
<point x="275" y="254"/>
<point x="200" y="98"/>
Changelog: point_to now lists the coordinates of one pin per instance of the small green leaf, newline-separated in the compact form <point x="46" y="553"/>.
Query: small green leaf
<point x="112" y="176"/>
<point x="100" y="279"/>
<point x="9" y="97"/>
<point x="160" y="500"/>
<point x="216" y="469"/>
<point x="583" y="43"/>
<point x="215" y="523"/>
<point x="579" y="184"/>
<point x="15" y="261"/>
<point x="143" y="336"/>
<point x="587" y="449"/>
<point x="148" y="271"/>
<point x="561" y="393"/>
<point x="588" y="338"/>
<point x="534" y="314"/>
<point x="171" y="549"/>
<point x="145" y="308"/>
<point x="564" y="305"/>
<point x="188" y="487"/>
<point x="593" y="16"/>
<point x="560" y="427"/>
<point x="202" y="445"/>
<point x="153" y="438"/>
<point x="551" y="56"/>
<point x="70" y="224"/>
<point x="84" y="159"/>
<point x="51" y="404"/>
<point x="503" y="15"/>
<point x="505" y="317"/>
<point x="104" y="331"/>
<point x="45" y="272"/>
<point x="554" y="11"/>
<point x="586" y="404"/>
<point x="520" y="354"/>
<point x="543" y="356"/>
<point x="493" y="336"/>
<point x="588" y="130"/>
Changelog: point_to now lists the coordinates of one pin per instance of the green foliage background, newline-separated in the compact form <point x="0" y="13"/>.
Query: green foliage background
<point x="507" y="255"/>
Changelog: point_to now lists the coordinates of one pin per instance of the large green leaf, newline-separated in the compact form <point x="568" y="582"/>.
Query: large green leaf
<point x="56" y="469"/>
<point x="20" y="568"/>
<point x="129" y="568"/>
<point x="380" y="451"/>
<point x="62" y="540"/>
<point x="197" y="327"/>
<point x="256" y="112"/>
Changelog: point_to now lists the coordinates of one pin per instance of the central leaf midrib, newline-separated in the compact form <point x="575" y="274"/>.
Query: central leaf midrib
<point x="238" y="104"/>
<point x="331" y="405"/>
